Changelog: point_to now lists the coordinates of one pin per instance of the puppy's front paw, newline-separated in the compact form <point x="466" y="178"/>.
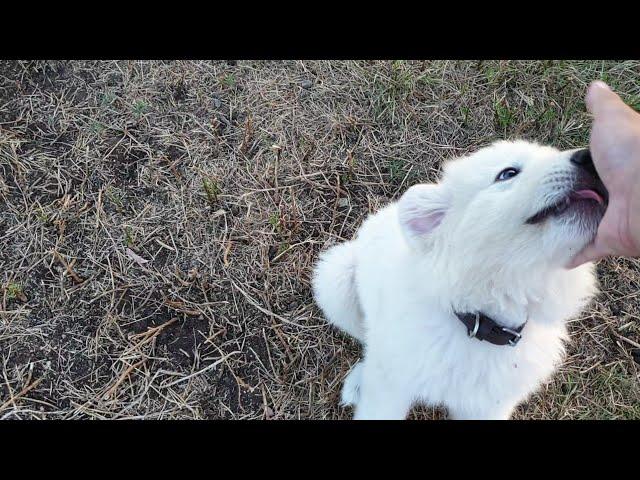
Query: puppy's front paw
<point x="351" y="387"/>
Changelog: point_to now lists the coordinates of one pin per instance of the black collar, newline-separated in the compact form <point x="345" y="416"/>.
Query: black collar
<point x="483" y="328"/>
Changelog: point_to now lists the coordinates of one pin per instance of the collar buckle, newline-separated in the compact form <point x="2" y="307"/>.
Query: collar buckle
<point x="516" y="336"/>
<point x="475" y="327"/>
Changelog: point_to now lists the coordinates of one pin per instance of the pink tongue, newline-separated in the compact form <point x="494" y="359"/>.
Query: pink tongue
<point x="589" y="194"/>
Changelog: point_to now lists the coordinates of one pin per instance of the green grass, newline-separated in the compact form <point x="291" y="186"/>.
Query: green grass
<point x="492" y="74"/>
<point x="229" y="80"/>
<point x="129" y="237"/>
<point x="390" y="90"/>
<point x="397" y="170"/>
<point x="42" y="215"/>
<point x="347" y="177"/>
<point x="115" y="196"/>
<point x="504" y="115"/>
<point x="464" y="113"/>
<point x="140" y="107"/>
<point x="13" y="290"/>
<point x="614" y="394"/>
<point x="609" y="384"/>
<point x="283" y="247"/>
<point x="633" y="101"/>
<point x="107" y="99"/>
<point x="275" y="222"/>
<point x="97" y="127"/>
<point x="211" y="189"/>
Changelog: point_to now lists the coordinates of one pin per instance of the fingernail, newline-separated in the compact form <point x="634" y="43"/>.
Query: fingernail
<point x="601" y="84"/>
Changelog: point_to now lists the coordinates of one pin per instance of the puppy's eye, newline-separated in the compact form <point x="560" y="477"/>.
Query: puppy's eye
<point x="507" y="174"/>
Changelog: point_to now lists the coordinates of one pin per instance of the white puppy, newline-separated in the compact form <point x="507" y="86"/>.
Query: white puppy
<point x="488" y="243"/>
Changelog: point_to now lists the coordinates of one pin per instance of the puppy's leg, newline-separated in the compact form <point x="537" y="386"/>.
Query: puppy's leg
<point x="351" y="388"/>
<point x="381" y="398"/>
<point x="334" y="289"/>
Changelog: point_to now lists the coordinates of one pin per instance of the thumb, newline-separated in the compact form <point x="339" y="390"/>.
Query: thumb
<point x="593" y="251"/>
<point x="600" y="97"/>
<point x="587" y="254"/>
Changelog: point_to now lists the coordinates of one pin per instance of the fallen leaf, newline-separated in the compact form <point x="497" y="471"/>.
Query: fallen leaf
<point x="135" y="257"/>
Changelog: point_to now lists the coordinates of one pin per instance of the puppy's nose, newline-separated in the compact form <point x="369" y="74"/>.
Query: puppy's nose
<point x="582" y="159"/>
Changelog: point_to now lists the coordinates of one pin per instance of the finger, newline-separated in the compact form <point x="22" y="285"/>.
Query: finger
<point x="600" y="97"/>
<point x="590" y="253"/>
<point x="581" y="258"/>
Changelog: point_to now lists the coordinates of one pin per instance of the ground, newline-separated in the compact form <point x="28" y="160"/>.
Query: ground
<point x="159" y="222"/>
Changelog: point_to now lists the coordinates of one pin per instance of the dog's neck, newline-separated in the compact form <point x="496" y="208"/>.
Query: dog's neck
<point x="503" y="294"/>
<point x="506" y="302"/>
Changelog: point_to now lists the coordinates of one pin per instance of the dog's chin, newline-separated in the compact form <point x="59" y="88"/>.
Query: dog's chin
<point x="578" y="228"/>
<point x="587" y="211"/>
<point x="584" y="216"/>
<point x="577" y="214"/>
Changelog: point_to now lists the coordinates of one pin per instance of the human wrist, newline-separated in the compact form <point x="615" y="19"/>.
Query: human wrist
<point x="633" y="214"/>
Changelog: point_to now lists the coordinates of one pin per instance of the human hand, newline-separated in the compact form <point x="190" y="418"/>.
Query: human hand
<point x="615" y="149"/>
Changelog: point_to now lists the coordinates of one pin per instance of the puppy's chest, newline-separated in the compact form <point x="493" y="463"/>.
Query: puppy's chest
<point x="435" y="349"/>
<point x="449" y="362"/>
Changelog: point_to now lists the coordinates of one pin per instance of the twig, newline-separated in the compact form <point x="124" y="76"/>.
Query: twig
<point x="122" y="378"/>
<point x="630" y="342"/>
<point x="264" y="310"/>
<point x="22" y="392"/>
<point x="67" y="267"/>
<point x="199" y="372"/>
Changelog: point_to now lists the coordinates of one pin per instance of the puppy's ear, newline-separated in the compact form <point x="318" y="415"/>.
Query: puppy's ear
<point x="421" y="209"/>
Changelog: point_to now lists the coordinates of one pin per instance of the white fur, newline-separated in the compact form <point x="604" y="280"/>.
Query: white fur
<point x="459" y="245"/>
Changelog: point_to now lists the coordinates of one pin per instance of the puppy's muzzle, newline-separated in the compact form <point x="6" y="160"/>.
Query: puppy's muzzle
<point x="582" y="159"/>
<point x="587" y="174"/>
<point x="586" y="186"/>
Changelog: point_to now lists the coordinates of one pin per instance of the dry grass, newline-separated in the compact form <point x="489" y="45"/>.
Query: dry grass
<point x="159" y="221"/>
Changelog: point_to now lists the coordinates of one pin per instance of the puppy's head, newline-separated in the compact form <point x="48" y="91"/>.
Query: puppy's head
<point x="513" y="203"/>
